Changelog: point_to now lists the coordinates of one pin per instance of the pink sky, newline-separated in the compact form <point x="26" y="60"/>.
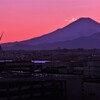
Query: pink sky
<point x="25" y="19"/>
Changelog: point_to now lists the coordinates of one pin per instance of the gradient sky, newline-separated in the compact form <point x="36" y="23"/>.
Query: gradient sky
<point x="25" y="19"/>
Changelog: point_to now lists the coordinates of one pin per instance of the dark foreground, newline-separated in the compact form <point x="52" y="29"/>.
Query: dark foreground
<point x="50" y="75"/>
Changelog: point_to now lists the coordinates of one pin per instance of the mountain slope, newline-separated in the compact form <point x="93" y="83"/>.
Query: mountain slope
<point x="81" y="27"/>
<point x="87" y="42"/>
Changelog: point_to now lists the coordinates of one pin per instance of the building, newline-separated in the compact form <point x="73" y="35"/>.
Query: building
<point x="40" y="87"/>
<point x="92" y="67"/>
<point x="92" y="89"/>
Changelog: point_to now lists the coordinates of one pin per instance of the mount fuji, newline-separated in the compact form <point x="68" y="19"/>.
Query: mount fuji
<point x="83" y="27"/>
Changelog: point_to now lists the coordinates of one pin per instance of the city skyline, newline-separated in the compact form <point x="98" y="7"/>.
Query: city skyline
<point x="25" y="19"/>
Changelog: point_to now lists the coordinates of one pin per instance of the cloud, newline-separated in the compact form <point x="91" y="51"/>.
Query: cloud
<point x="70" y="20"/>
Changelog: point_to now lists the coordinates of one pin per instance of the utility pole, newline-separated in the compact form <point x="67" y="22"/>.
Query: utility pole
<point x="0" y="39"/>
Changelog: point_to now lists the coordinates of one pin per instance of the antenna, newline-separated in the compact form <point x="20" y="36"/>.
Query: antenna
<point x="1" y="35"/>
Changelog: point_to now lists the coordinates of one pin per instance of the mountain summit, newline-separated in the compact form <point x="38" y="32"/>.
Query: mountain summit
<point x="82" y="27"/>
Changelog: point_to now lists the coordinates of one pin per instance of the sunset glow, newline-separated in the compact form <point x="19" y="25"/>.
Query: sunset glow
<point x="25" y="19"/>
